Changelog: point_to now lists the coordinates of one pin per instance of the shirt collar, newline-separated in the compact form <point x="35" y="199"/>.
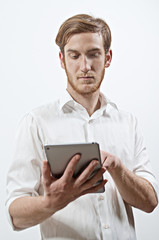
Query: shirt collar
<point x="67" y="101"/>
<point x="106" y="102"/>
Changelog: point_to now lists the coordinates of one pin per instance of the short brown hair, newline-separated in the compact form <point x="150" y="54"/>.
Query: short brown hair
<point x="82" y="23"/>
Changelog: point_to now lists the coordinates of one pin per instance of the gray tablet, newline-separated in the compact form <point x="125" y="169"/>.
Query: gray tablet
<point x="59" y="156"/>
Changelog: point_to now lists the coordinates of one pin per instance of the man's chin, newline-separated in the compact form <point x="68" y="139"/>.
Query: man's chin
<point x="86" y="90"/>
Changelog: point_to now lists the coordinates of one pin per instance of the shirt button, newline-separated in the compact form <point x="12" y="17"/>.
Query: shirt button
<point x="106" y="226"/>
<point x="101" y="197"/>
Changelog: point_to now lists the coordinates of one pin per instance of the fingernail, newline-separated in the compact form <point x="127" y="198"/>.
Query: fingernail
<point x="78" y="156"/>
<point x="95" y="162"/>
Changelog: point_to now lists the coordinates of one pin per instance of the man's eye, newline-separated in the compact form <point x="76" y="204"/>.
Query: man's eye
<point x="74" y="56"/>
<point x="94" y="55"/>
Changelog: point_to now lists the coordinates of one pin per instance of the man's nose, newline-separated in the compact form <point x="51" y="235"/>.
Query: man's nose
<point x="85" y="64"/>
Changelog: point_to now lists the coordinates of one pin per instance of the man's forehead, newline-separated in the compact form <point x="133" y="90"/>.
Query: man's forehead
<point x="84" y="40"/>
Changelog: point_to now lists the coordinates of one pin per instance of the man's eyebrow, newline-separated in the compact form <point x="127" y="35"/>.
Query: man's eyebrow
<point x="94" y="50"/>
<point x="90" y="50"/>
<point x="72" y="50"/>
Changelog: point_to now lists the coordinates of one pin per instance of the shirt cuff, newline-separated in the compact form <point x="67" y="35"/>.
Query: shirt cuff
<point x="150" y="178"/>
<point x="8" y="214"/>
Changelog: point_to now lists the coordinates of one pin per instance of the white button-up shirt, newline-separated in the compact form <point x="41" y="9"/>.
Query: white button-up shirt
<point x="92" y="216"/>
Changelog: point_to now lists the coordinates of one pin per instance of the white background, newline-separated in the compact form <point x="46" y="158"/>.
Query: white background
<point x="30" y="75"/>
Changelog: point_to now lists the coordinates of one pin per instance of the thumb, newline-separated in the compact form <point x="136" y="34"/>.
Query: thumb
<point x="46" y="174"/>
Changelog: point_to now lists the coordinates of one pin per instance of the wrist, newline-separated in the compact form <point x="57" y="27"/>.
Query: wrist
<point x="118" y="170"/>
<point x="47" y="206"/>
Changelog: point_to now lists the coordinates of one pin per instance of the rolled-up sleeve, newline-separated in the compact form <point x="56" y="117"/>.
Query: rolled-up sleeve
<point x="24" y="175"/>
<point x="142" y="166"/>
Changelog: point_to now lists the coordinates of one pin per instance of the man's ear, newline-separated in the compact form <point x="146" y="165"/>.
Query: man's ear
<point x="108" y="58"/>
<point x="62" y="60"/>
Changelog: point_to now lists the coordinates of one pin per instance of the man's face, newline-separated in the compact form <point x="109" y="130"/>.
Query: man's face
<point x="84" y="61"/>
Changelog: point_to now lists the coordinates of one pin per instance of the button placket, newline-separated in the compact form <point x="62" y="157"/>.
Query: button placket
<point x="104" y="219"/>
<point x="89" y="130"/>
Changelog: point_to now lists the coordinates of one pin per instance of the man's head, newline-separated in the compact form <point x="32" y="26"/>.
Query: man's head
<point x="85" y="52"/>
<point x="83" y="23"/>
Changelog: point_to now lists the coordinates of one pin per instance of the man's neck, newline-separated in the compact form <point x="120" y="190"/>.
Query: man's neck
<point x="89" y="101"/>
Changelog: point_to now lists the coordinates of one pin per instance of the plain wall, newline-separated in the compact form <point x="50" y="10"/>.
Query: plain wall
<point x="30" y="75"/>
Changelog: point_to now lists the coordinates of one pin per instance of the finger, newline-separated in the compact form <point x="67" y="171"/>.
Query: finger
<point x="95" y="189"/>
<point x="86" y="173"/>
<point x="91" y="182"/>
<point x="109" y="162"/>
<point x="70" y="169"/>
<point x="104" y="156"/>
<point x="46" y="173"/>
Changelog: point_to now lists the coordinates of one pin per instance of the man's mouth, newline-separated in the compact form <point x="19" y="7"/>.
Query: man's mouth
<point x="86" y="80"/>
<point x="86" y="77"/>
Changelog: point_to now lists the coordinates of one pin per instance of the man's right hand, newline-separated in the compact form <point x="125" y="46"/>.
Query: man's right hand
<point x="28" y="211"/>
<point x="60" y="192"/>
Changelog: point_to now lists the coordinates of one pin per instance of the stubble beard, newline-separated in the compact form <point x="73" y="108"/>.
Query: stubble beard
<point x="85" y="91"/>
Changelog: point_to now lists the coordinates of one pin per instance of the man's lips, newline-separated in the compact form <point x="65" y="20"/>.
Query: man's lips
<point x="85" y="77"/>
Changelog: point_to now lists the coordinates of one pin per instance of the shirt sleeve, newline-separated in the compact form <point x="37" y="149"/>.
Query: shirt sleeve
<point x="142" y="166"/>
<point x="24" y="175"/>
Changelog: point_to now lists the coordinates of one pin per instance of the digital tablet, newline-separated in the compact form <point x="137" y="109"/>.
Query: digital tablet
<point x="59" y="156"/>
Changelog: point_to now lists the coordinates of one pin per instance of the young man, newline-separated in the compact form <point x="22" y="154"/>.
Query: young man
<point x="68" y="207"/>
